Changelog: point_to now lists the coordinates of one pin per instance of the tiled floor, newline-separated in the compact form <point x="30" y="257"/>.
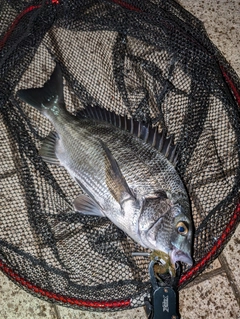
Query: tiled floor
<point x="215" y="294"/>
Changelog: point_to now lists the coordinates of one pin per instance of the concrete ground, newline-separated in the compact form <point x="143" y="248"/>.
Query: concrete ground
<point x="216" y="293"/>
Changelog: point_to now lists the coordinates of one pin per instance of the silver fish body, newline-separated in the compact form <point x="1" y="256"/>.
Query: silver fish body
<point x="125" y="178"/>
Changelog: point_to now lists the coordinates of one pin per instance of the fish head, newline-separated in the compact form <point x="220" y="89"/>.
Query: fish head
<point x="168" y="228"/>
<point x="181" y="237"/>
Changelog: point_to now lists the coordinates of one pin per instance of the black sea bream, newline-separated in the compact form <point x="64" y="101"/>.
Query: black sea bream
<point x="124" y="168"/>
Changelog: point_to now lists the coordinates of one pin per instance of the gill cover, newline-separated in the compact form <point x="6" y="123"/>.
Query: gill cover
<point x="181" y="239"/>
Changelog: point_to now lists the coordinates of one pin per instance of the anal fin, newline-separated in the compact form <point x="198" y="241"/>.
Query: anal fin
<point x="87" y="206"/>
<point x="47" y="150"/>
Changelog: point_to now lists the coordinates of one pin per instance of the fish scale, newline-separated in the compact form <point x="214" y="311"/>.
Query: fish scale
<point x="124" y="167"/>
<point x="134" y="169"/>
<point x="126" y="156"/>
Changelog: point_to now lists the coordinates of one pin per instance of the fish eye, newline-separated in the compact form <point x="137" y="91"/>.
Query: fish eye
<point x="182" y="228"/>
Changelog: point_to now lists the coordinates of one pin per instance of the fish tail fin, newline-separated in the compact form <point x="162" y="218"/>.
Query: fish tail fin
<point x="49" y="97"/>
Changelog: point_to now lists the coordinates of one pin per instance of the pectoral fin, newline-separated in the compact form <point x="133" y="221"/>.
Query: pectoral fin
<point x="86" y="206"/>
<point x="47" y="150"/>
<point x="114" y="178"/>
<point x="161" y="194"/>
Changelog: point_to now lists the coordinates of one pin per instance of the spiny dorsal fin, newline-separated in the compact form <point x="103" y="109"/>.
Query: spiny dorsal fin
<point x="146" y="132"/>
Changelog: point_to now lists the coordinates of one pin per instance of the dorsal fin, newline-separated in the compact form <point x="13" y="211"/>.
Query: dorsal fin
<point x="145" y="132"/>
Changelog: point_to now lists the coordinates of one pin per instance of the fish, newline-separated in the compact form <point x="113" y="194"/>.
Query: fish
<point x="125" y="168"/>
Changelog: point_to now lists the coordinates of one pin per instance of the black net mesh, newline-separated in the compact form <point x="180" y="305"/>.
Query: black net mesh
<point x="150" y="60"/>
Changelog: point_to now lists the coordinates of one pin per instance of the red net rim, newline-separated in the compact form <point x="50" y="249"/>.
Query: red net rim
<point x="117" y="304"/>
<point x="127" y="302"/>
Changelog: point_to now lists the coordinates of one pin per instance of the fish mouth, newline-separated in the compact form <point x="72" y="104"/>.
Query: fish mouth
<point x="178" y="255"/>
